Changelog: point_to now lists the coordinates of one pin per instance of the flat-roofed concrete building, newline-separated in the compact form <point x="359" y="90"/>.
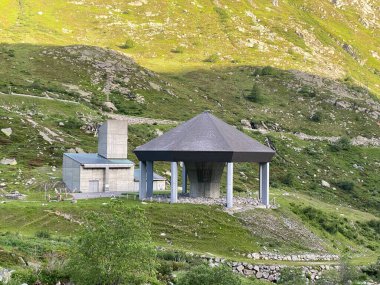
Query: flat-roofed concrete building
<point x="107" y="170"/>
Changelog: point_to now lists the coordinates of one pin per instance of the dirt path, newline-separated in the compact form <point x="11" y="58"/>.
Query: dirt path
<point x="132" y="120"/>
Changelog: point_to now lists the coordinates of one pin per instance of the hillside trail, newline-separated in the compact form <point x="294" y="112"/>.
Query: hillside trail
<point x="134" y="120"/>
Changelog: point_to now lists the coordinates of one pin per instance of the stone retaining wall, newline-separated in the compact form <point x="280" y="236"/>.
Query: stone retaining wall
<point x="293" y="257"/>
<point x="267" y="272"/>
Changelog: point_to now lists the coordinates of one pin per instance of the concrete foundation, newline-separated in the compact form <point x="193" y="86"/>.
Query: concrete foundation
<point x="204" y="178"/>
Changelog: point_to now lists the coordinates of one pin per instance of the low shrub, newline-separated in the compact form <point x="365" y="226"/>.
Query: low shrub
<point x="289" y="179"/>
<point x="42" y="234"/>
<point x="292" y="276"/>
<point x="373" y="270"/>
<point x="345" y="185"/>
<point x="307" y="91"/>
<point x="256" y="94"/>
<point x="316" y="117"/>
<point x="129" y="43"/>
<point x="205" y="275"/>
<point x="267" y="70"/>
<point x="213" y="58"/>
<point x="223" y="14"/>
<point x="344" y="143"/>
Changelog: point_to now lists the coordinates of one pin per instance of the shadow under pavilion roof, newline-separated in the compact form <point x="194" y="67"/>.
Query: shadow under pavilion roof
<point x="204" y="138"/>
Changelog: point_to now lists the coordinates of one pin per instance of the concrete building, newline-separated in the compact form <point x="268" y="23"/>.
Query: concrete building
<point x="107" y="170"/>
<point x="204" y="145"/>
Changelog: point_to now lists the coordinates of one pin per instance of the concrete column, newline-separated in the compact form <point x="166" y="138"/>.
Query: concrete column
<point x="184" y="179"/>
<point x="142" y="190"/>
<point x="264" y="183"/>
<point x="106" y="179"/>
<point x="149" y="179"/>
<point x="205" y="178"/>
<point x="174" y="183"/>
<point x="230" y="170"/>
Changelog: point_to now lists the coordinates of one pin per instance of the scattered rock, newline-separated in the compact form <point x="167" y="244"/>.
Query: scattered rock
<point x="7" y="131"/>
<point x="155" y="86"/>
<point x="325" y="184"/>
<point x="246" y="123"/>
<point x="8" y="161"/>
<point x="110" y="106"/>
<point x="79" y="150"/>
<point x="46" y="137"/>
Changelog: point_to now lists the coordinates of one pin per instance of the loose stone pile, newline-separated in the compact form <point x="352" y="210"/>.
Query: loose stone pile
<point x="185" y="198"/>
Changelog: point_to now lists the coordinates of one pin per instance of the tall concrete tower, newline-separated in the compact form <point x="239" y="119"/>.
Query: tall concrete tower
<point x="113" y="139"/>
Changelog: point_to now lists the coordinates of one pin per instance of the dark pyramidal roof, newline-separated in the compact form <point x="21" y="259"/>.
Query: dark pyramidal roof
<point x="204" y="138"/>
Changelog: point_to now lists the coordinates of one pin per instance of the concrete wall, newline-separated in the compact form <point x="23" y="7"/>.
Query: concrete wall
<point x="204" y="178"/>
<point x="71" y="173"/>
<point x="91" y="174"/>
<point x="113" y="140"/>
<point x="121" y="179"/>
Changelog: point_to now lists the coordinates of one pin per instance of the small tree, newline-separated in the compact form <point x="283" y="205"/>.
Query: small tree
<point x="205" y="275"/>
<point x="256" y="94"/>
<point x="114" y="248"/>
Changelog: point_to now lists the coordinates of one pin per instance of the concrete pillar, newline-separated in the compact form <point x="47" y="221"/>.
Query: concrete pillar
<point x="142" y="190"/>
<point x="230" y="170"/>
<point x="149" y="179"/>
<point x="264" y="183"/>
<point x="184" y="178"/>
<point x="174" y="183"/>
<point x="205" y="178"/>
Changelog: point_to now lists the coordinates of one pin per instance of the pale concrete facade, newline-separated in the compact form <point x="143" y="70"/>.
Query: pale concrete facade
<point x="107" y="170"/>
<point x="89" y="172"/>
<point x="71" y="173"/>
<point x="113" y="140"/>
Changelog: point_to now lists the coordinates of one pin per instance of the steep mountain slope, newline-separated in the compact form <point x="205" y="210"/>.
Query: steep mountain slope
<point x="335" y="39"/>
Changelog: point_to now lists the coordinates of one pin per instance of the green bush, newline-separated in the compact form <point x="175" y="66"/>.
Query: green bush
<point x="213" y="58"/>
<point x="129" y="43"/>
<point x="205" y="275"/>
<point x="256" y="94"/>
<point x="317" y="117"/>
<point x="43" y="234"/>
<point x="307" y="91"/>
<point x="223" y="14"/>
<point x="292" y="276"/>
<point x="267" y="70"/>
<point x="73" y="123"/>
<point x="343" y="143"/>
<point x="345" y="185"/>
<point x="373" y="271"/>
<point x="289" y="179"/>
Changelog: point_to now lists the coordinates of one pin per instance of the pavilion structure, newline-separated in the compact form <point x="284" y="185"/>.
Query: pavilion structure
<point x="204" y="145"/>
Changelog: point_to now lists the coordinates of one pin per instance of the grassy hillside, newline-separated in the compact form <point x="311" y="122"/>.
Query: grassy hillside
<point x="336" y="41"/>
<point x="302" y="77"/>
